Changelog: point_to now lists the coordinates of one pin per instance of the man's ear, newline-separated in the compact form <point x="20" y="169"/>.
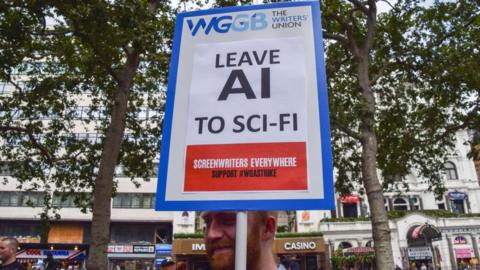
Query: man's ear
<point x="270" y="228"/>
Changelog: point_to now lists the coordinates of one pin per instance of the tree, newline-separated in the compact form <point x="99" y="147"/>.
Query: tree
<point x="55" y="54"/>
<point x="396" y="100"/>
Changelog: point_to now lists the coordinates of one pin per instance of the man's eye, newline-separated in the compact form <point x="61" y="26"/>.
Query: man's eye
<point x="229" y="221"/>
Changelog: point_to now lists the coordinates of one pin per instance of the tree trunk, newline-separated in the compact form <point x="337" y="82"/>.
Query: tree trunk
<point x="380" y="228"/>
<point x="102" y="195"/>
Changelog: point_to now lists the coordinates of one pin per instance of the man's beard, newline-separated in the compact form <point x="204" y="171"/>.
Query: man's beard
<point x="226" y="260"/>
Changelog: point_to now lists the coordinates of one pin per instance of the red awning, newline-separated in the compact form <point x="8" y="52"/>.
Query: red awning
<point x="350" y="199"/>
<point x="422" y="232"/>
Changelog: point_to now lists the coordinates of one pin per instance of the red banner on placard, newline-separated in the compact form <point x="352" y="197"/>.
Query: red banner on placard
<point x="246" y="167"/>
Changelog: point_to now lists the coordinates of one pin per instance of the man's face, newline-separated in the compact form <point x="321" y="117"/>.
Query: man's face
<point x="6" y="251"/>
<point x="219" y="237"/>
<point x="169" y="267"/>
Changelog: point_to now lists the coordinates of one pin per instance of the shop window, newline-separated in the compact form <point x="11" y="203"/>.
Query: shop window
<point x="26" y="232"/>
<point x="450" y="170"/>
<point x="400" y="204"/>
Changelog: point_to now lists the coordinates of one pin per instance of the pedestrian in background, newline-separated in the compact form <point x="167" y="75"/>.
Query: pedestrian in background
<point x="8" y="254"/>
<point x="51" y="263"/>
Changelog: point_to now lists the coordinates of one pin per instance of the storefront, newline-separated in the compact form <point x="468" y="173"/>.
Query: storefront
<point x="131" y="257"/>
<point x="463" y="252"/>
<point x="162" y="252"/>
<point x="70" y="258"/>
<point x="420" y="250"/>
<point x="419" y="255"/>
<point x="309" y="253"/>
<point x="190" y="254"/>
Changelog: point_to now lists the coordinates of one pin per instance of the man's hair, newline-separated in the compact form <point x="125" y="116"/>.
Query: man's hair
<point x="12" y="242"/>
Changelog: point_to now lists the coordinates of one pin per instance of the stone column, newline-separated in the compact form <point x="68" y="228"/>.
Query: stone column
<point x="420" y="202"/>
<point x="447" y="203"/>
<point x="475" y="245"/>
<point x="453" y="259"/>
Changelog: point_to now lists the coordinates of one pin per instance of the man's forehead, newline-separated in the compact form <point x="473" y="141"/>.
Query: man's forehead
<point x="211" y="214"/>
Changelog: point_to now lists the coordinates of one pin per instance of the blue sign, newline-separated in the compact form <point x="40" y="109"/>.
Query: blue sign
<point x="246" y="119"/>
<point x="163" y="249"/>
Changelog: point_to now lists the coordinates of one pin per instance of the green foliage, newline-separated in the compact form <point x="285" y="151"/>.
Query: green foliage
<point x="422" y="74"/>
<point x="56" y="53"/>
<point x="187" y="235"/>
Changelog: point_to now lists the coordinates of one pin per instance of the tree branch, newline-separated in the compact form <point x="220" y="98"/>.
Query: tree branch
<point x="336" y="124"/>
<point x="353" y="47"/>
<point x="441" y="40"/>
<point x="343" y="40"/>
<point x="43" y="150"/>
<point x="361" y="6"/>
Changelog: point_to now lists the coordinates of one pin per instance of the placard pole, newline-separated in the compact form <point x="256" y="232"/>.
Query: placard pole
<point x="241" y="241"/>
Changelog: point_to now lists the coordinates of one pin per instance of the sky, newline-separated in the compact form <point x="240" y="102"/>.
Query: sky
<point x="382" y="6"/>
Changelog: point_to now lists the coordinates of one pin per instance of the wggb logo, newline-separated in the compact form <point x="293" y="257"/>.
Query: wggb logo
<point x="223" y="24"/>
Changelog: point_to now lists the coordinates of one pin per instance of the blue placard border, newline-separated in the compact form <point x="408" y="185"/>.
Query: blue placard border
<point x="327" y="203"/>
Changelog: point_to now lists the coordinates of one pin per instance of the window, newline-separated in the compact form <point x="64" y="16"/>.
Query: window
<point x="415" y="203"/>
<point x="450" y="170"/>
<point x="21" y="199"/>
<point x="458" y="206"/>
<point x="6" y="88"/>
<point x="400" y="204"/>
<point x="67" y="202"/>
<point x="344" y="245"/>
<point x="5" y="169"/>
<point x="142" y="113"/>
<point x="155" y="169"/>
<point x="441" y="206"/>
<point x="134" y="200"/>
<point x="385" y="202"/>
<point x="350" y="210"/>
<point x="92" y="138"/>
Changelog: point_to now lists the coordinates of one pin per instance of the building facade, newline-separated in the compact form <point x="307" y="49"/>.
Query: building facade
<point x="442" y="231"/>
